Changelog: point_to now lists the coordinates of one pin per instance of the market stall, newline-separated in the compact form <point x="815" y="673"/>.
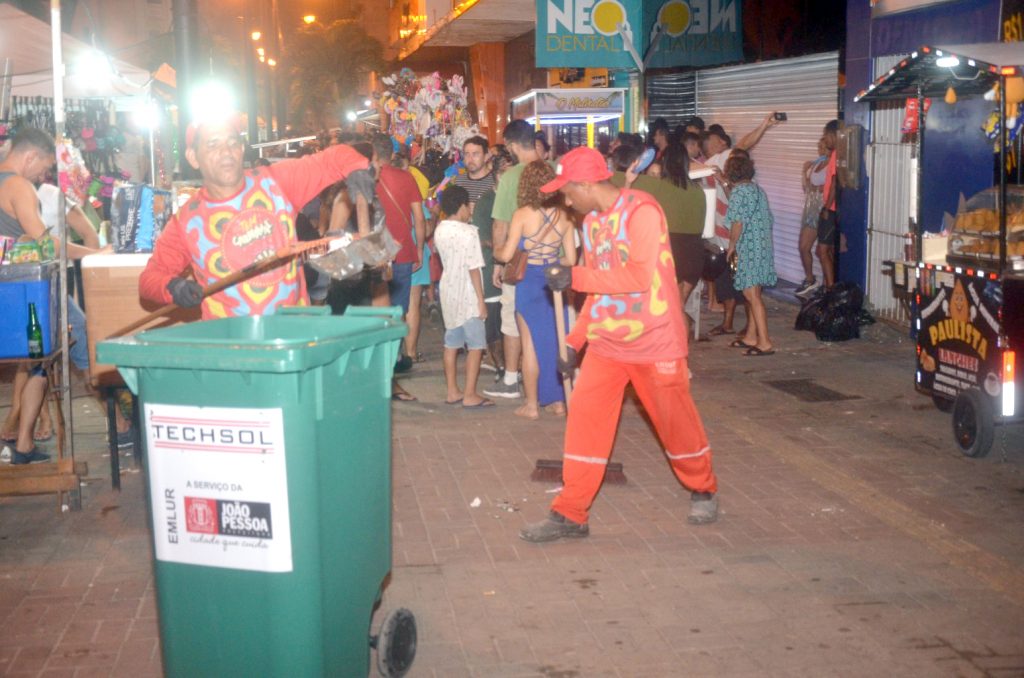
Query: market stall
<point x="967" y="289"/>
<point x="586" y="113"/>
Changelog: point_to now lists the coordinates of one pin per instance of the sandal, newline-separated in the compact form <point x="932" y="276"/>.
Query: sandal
<point x="739" y="343"/>
<point x="755" y="352"/>
<point x="40" y="438"/>
<point x="718" y="331"/>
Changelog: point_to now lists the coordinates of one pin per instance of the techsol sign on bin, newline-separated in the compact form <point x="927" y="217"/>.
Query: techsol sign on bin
<point x="594" y="33"/>
<point x="219" y="487"/>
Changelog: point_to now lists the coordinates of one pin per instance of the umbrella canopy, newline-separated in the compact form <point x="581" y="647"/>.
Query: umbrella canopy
<point x="971" y="70"/>
<point x="25" y="40"/>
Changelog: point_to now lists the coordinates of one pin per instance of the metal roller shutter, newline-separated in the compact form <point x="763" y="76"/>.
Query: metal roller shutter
<point x="672" y="96"/>
<point x="739" y="97"/>
<point x="890" y="167"/>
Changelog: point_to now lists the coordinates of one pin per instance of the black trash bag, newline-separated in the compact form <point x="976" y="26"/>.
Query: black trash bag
<point x="812" y="313"/>
<point x="715" y="262"/>
<point x="841" y="323"/>
<point x="847" y="294"/>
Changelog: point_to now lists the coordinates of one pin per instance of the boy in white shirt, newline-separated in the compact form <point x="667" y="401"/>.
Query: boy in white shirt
<point x="462" y="296"/>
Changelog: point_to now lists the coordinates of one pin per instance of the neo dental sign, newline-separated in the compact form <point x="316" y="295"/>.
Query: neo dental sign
<point x="585" y="33"/>
<point x="592" y="33"/>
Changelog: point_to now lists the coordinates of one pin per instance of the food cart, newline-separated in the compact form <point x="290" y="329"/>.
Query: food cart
<point x="968" y="293"/>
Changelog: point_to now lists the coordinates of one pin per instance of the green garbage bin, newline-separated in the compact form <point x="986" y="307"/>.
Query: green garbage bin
<point x="268" y="460"/>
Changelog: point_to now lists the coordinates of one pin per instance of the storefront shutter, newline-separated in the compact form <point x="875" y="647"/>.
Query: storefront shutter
<point x="672" y="96"/>
<point x="739" y="98"/>
<point x="890" y="165"/>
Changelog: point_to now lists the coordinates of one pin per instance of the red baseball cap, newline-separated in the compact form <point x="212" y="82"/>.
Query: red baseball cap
<point x="233" y="121"/>
<point x="580" y="164"/>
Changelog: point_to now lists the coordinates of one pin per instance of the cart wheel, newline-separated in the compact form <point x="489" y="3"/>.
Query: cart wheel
<point x="973" y="423"/>
<point x="943" y="404"/>
<point x="396" y="643"/>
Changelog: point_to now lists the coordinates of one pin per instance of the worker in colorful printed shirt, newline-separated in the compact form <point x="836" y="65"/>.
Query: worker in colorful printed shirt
<point x="633" y="327"/>
<point x="239" y="217"/>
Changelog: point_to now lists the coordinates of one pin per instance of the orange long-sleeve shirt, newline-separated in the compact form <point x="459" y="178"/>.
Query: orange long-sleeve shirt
<point x="217" y="238"/>
<point x="632" y="313"/>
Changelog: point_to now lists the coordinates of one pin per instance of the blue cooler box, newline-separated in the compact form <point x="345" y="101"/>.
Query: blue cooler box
<point x="20" y="285"/>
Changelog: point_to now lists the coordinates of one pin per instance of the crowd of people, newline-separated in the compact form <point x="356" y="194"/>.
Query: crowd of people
<point x="499" y="241"/>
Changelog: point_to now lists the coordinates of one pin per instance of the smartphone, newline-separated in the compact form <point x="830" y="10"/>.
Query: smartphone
<point x="645" y="160"/>
<point x="780" y="116"/>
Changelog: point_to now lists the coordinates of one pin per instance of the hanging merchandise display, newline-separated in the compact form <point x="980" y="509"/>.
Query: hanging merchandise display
<point x="428" y="107"/>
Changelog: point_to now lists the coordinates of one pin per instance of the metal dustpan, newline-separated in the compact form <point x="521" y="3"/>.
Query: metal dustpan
<point x="347" y="256"/>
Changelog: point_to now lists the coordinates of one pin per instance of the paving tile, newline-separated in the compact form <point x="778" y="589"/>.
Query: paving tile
<point x="853" y="540"/>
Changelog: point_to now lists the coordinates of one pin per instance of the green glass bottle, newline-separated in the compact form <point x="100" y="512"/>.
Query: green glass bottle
<point x="35" y="333"/>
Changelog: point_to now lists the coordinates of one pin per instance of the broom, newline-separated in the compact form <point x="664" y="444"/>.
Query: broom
<point x="550" y="470"/>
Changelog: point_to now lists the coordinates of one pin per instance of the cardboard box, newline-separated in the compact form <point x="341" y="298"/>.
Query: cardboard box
<point x="933" y="249"/>
<point x="111" y="286"/>
<point x="21" y="284"/>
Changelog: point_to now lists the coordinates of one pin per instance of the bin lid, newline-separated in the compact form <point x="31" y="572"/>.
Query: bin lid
<point x="284" y="342"/>
<point x="28" y="272"/>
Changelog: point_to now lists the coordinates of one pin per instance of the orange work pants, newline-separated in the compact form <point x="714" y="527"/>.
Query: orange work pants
<point x="664" y="390"/>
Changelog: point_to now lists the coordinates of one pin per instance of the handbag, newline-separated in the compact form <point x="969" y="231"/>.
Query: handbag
<point x="515" y="269"/>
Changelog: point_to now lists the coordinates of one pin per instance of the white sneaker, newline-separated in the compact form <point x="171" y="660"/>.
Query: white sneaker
<point x="5" y="455"/>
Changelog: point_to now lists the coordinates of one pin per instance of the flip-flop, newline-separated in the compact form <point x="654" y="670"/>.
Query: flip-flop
<point x="718" y="331"/>
<point x="9" y="441"/>
<point x="483" y="403"/>
<point x="755" y="352"/>
<point x="453" y="402"/>
<point x="42" y="439"/>
<point x="401" y="397"/>
<point x="739" y="343"/>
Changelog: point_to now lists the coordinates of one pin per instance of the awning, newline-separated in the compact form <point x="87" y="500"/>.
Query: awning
<point x="475" y="21"/>
<point x="25" y="40"/>
<point x="971" y="70"/>
<point x="570" y="106"/>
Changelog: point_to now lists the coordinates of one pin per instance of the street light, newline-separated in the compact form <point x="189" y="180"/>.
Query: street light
<point x="271" y="62"/>
<point x="262" y="52"/>
<point x="309" y="18"/>
<point x="256" y="35"/>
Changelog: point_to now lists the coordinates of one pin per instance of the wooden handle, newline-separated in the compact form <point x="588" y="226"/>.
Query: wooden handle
<point x="280" y="257"/>
<point x="563" y="352"/>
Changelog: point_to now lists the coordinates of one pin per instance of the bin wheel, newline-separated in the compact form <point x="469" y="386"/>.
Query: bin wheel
<point x="942" y="404"/>
<point x="396" y="643"/>
<point x="973" y="423"/>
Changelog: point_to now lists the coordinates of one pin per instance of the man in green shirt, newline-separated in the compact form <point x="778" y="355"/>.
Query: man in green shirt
<point x="482" y="219"/>
<point x="519" y="139"/>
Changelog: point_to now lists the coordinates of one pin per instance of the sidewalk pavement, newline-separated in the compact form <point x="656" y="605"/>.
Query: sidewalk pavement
<point x="853" y="539"/>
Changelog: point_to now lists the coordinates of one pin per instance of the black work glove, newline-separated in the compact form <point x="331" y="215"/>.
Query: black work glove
<point x="567" y="367"/>
<point x="186" y="293"/>
<point x="559" y="277"/>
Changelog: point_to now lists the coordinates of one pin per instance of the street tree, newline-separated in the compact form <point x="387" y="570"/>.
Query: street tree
<point x="328" y="67"/>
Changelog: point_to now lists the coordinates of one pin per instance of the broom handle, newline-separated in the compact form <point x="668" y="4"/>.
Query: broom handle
<point x="563" y="353"/>
<point x="230" y="280"/>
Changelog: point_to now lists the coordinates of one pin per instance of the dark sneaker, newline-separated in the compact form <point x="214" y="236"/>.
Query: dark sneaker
<point x="703" y="508"/>
<point x="806" y="287"/>
<point x="32" y="457"/>
<point x="503" y="390"/>
<point x="126" y="438"/>
<point x="403" y="365"/>
<point x="554" y="527"/>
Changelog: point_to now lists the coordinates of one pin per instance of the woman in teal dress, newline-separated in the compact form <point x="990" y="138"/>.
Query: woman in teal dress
<point x="750" y="238"/>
